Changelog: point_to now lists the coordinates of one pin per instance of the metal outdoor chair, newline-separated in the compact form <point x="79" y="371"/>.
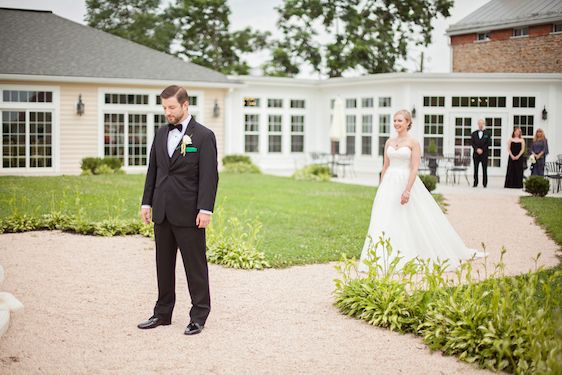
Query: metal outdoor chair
<point x="459" y="166"/>
<point x="553" y="171"/>
<point x="345" y="163"/>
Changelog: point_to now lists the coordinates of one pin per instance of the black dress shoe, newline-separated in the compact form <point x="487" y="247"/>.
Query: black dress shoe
<point x="154" y="322"/>
<point x="193" y="328"/>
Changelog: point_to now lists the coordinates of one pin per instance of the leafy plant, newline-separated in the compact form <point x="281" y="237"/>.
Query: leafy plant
<point x="234" y="244"/>
<point x="502" y="323"/>
<point x="240" y="167"/>
<point x="429" y="181"/>
<point x="432" y="147"/>
<point x="90" y="165"/>
<point x="538" y="186"/>
<point x="103" y="169"/>
<point x="231" y="159"/>
<point x="313" y="172"/>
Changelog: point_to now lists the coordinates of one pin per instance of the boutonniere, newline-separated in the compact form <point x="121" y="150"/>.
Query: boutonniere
<point x="185" y="141"/>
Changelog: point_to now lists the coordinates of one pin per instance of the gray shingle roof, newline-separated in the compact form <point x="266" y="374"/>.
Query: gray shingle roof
<point x="42" y="43"/>
<point x="498" y="14"/>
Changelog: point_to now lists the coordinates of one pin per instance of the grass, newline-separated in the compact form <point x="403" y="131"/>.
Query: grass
<point x="547" y="212"/>
<point x="303" y="221"/>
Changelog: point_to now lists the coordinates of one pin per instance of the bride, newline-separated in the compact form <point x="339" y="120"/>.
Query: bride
<point x="405" y="210"/>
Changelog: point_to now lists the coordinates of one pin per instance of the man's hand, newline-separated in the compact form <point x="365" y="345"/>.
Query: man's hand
<point x="202" y="220"/>
<point x="145" y="214"/>
<point x="479" y="151"/>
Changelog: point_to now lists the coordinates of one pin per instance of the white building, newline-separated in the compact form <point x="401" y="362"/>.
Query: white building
<point x="269" y="118"/>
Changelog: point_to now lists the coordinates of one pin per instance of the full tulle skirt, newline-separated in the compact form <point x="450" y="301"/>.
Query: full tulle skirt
<point x="418" y="228"/>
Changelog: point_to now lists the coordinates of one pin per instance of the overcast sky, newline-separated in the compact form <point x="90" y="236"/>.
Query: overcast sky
<point x="262" y="16"/>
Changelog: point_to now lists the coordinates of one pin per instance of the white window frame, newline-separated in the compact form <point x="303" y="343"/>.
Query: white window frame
<point x="53" y="107"/>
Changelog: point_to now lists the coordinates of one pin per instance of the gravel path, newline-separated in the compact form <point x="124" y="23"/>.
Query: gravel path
<point x="84" y="295"/>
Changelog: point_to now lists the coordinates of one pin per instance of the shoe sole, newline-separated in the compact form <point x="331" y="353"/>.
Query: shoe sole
<point x="151" y="327"/>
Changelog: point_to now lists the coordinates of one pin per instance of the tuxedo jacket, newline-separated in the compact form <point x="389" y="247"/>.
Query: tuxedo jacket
<point x="483" y="143"/>
<point x="178" y="187"/>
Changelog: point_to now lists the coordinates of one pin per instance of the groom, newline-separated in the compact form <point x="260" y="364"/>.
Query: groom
<point x="179" y="194"/>
<point x="480" y="140"/>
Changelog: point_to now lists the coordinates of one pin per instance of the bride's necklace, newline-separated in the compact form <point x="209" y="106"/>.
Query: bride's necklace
<point x="397" y="143"/>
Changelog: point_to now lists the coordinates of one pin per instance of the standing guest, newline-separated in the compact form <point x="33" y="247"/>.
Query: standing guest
<point x="515" y="149"/>
<point x="539" y="150"/>
<point x="480" y="140"/>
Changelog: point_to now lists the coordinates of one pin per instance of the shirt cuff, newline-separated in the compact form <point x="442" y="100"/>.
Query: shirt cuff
<point x="206" y="212"/>
<point x="146" y="206"/>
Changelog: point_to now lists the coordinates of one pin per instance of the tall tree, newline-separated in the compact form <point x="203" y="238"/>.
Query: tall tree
<point x="335" y="36"/>
<point x="205" y="39"/>
<point x="141" y="21"/>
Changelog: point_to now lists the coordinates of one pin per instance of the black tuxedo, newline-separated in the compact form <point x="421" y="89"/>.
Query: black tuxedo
<point x="177" y="188"/>
<point x="484" y="144"/>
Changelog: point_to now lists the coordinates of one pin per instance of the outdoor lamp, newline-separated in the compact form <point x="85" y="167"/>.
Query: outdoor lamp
<point x="414" y="112"/>
<point x="80" y="106"/>
<point x="216" y="109"/>
<point x="544" y="113"/>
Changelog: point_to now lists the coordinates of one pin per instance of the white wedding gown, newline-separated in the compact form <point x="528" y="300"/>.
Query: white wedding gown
<point x="417" y="229"/>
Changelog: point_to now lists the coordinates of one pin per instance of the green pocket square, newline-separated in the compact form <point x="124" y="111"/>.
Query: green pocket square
<point x="191" y="149"/>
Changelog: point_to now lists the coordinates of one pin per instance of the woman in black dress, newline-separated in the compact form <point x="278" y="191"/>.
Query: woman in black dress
<point x="515" y="148"/>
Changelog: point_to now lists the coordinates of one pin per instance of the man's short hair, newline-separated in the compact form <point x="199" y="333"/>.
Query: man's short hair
<point x="175" y="91"/>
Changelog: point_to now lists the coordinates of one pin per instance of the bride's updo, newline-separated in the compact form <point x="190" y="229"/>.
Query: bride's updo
<point x="407" y="115"/>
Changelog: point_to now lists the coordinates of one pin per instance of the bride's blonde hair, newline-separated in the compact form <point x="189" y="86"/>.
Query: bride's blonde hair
<point x="407" y="115"/>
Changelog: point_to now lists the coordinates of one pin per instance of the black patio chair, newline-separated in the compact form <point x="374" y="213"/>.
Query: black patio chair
<point x="553" y="171"/>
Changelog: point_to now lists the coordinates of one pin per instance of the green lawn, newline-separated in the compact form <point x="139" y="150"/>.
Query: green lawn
<point x="548" y="213"/>
<point x="303" y="222"/>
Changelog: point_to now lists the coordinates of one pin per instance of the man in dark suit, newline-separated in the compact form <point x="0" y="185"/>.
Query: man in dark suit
<point x="480" y="144"/>
<point x="179" y="194"/>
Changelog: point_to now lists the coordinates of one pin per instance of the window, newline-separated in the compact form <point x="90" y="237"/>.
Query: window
<point x="463" y="130"/>
<point x="350" y="125"/>
<point x="27" y="96"/>
<point x="385" y="101"/>
<point x="481" y="37"/>
<point x="520" y="31"/>
<point x="114" y="135"/>
<point x="297" y="133"/>
<point x="384" y="132"/>
<point x="159" y="120"/>
<point x="297" y="103"/>
<point x="434" y="101"/>
<point x="137" y="139"/>
<point x="38" y="126"/>
<point x="332" y="101"/>
<point x="478" y="101"/>
<point x="350" y="103"/>
<point x="274" y="103"/>
<point x="251" y="102"/>
<point x="275" y="127"/>
<point x="557" y="28"/>
<point x="366" y="134"/>
<point x="494" y="126"/>
<point x="126" y="99"/>
<point x="193" y="100"/>
<point x="523" y="102"/>
<point x="433" y="133"/>
<point x="526" y="123"/>
<point x="251" y="129"/>
<point x="367" y="102"/>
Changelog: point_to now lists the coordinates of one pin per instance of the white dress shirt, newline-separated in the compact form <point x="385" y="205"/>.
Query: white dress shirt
<point x="174" y="138"/>
<point x="480" y="133"/>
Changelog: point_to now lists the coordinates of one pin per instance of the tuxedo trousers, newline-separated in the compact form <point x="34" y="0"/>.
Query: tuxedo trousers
<point x="480" y="159"/>
<point x="191" y="242"/>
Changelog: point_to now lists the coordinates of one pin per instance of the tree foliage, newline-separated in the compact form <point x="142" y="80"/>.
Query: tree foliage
<point x="335" y="36"/>
<point x="141" y="21"/>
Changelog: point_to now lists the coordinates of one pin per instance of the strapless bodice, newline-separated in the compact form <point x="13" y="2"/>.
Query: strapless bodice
<point x="399" y="157"/>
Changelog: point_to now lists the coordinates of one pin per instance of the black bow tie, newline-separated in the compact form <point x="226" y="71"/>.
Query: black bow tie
<point x="172" y="127"/>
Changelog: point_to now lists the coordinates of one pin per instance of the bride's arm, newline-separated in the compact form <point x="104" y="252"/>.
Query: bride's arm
<point x="386" y="162"/>
<point x="414" y="165"/>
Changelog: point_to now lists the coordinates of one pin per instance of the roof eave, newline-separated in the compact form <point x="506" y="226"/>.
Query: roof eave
<point x="469" y="29"/>
<point x="119" y="81"/>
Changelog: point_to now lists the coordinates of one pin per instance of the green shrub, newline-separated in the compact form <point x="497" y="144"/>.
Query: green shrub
<point x="240" y="167"/>
<point x="507" y="324"/>
<point x="537" y="186"/>
<point x="230" y="159"/>
<point x="313" y="172"/>
<point x="104" y="169"/>
<point x="234" y="244"/>
<point x="90" y="164"/>
<point x="429" y="181"/>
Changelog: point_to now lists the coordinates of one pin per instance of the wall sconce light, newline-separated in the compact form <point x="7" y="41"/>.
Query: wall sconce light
<point x="544" y="113"/>
<point x="80" y="106"/>
<point x="216" y="109"/>
<point x="414" y="112"/>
